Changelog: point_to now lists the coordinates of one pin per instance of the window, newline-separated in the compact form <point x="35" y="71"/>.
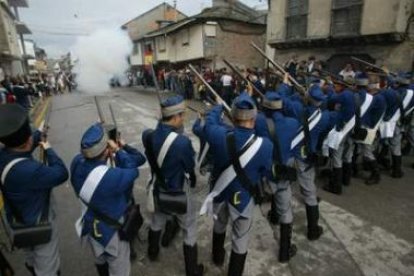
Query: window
<point x="297" y="19"/>
<point x="210" y="30"/>
<point x="185" y="36"/>
<point x="346" y="17"/>
<point x="135" y="50"/>
<point x="161" y="43"/>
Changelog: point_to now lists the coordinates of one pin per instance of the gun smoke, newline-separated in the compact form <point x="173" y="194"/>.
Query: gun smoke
<point x="101" y="56"/>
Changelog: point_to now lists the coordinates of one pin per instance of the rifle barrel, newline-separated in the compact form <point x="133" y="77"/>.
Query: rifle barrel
<point x="366" y="63"/>
<point x="258" y="92"/>
<point x="154" y="79"/>
<point x="113" y="115"/>
<point x="98" y="107"/>
<point x="279" y="67"/>
<point x="209" y="87"/>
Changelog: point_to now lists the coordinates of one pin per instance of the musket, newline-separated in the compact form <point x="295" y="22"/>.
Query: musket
<point x="280" y="68"/>
<point x="98" y="108"/>
<point x="366" y="63"/>
<point x="202" y="113"/>
<point x="118" y="134"/>
<point x="110" y="129"/>
<point x="216" y="95"/>
<point x="43" y="155"/>
<point x="235" y="70"/>
<point x="157" y="87"/>
<point x="335" y="78"/>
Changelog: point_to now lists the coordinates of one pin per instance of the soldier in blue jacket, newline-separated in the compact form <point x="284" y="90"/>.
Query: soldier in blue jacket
<point x="272" y="123"/>
<point x="232" y="197"/>
<point x="339" y="140"/>
<point x="171" y="157"/>
<point x="371" y="122"/>
<point x="27" y="184"/>
<point x="406" y="103"/>
<point x="306" y="146"/>
<point x="105" y="193"/>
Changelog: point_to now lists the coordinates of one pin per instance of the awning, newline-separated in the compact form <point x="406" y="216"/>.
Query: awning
<point x="18" y="3"/>
<point x="22" y="28"/>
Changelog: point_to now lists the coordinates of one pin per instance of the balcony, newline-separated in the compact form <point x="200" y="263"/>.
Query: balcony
<point x="22" y="28"/>
<point x="18" y="3"/>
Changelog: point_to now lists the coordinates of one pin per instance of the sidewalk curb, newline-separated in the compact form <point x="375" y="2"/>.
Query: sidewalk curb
<point x="40" y="113"/>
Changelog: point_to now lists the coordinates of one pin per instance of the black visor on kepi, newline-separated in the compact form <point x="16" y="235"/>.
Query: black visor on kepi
<point x="14" y="125"/>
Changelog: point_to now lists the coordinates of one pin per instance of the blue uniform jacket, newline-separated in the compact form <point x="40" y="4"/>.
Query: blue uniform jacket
<point x="113" y="194"/>
<point x="325" y="124"/>
<point x="375" y="111"/>
<point x="258" y="167"/>
<point x="286" y="130"/>
<point x="29" y="182"/>
<point x="393" y="103"/>
<point x="345" y="100"/>
<point x="402" y="92"/>
<point x="179" y="159"/>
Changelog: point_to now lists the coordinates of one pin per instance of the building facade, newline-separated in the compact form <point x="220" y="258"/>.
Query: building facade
<point x="149" y="21"/>
<point x="223" y="31"/>
<point x="381" y="31"/>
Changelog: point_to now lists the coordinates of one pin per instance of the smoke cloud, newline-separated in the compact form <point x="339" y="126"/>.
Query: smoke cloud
<point x="101" y="55"/>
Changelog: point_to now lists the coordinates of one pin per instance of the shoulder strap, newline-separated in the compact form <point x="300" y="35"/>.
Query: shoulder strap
<point x="16" y="213"/>
<point x="88" y="189"/>
<point x="357" y="101"/>
<point x="276" y="148"/>
<point x="306" y="131"/>
<point x="152" y="160"/>
<point x="235" y="161"/>
<point x="92" y="182"/>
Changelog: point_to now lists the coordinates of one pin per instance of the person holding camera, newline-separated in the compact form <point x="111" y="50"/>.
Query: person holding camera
<point x="26" y="185"/>
<point x="105" y="193"/>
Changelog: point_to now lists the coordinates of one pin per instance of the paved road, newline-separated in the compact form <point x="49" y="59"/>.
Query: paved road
<point x="368" y="230"/>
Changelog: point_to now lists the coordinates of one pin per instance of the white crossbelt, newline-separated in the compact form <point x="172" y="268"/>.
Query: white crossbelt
<point x="228" y="175"/>
<point x="8" y="167"/>
<point x="160" y="160"/>
<point x="387" y="128"/>
<point x="313" y="121"/>
<point x="203" y="155"/>
<point x="87" y="191"/>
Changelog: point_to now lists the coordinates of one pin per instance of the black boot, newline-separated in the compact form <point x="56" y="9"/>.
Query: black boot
<point x="236" y="265"/>
<point x="218" y="253"/>
<point x="375" y="176"/>
<point x="286" y="249"/>
<point x="346" y="173"/>
<point x="396" y="167"/>
<point x="171" y="230"/>
<point x="103" y="269"/>
<point x="383" y="159"/>
<point x="272" y="215"/>
<point x="31" y="269"/>
<point x="312" y="215"/>
<point x="335" y="182"/>
<point x="153" y="244"/>
<point x="192" y="268"/>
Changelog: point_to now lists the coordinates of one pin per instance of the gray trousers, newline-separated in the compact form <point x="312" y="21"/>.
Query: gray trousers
<point x="283" y="200"/>
<point x="187" y="222"/>
<point x="344" y="152"/>
<point x="241" y="224"/>
<point x="395" y="141"/>
<point x="368" y="150"/>
<point x="306" y="179"/>
<point x="45" y="258"/>
<point x="118" y="260"/>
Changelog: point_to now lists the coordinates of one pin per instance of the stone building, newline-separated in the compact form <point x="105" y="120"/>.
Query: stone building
<point x="223" y="31"/>
<point x="149" y="21"/>
<point x="12" y="59"/>
<point x="381" y="31"/>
